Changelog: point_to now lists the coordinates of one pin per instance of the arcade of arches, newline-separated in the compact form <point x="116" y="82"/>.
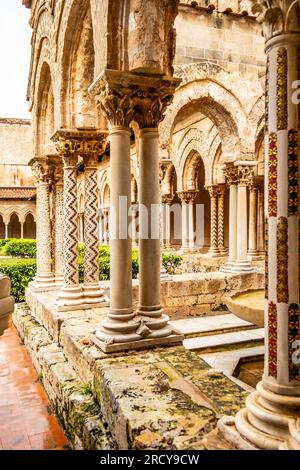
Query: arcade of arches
<point x="171" y="111"/>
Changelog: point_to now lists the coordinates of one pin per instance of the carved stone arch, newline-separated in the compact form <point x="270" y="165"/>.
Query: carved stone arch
<point x="256" y="118"/>
<point x="216" y="173"/>
<point x="77" y="65"/>
<point x="44" y="115"/>
<point x="216" y="103"/>
<point x="106" y="195"/>
<point x="168" y="181"/>
<point x="42" y="46"/>
<point x="192" y="165"/>
<point x="29" y="212"/>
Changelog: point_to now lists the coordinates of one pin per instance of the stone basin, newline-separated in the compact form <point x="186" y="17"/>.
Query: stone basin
<point x="248" y="306"/>
<point x="6" y="303"/>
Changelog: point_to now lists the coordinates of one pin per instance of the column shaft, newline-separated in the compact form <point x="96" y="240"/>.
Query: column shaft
<point x="232" y="223"/>
<point x="253" y="222"/>
<point x="6" y="231"/>
<point x="93" y="295"/>
<point x="58" y="239"/>
<point x="150" y="255"/>
<point x="214" y="250"/>
<point x="221" y="221"/>
<point x="260" y="222"/>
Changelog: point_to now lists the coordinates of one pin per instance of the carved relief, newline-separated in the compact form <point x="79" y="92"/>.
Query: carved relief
<point x="125" y="98"/>
<point x="277" y="16"/>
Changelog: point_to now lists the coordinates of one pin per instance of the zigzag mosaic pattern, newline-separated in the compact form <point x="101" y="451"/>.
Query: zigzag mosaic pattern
<point x="294" y="337"/>
<point x="71" y="277"/>
<point x="91" y="260"/>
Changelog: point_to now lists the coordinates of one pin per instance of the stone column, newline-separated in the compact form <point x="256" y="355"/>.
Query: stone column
<point x="105" y="226"/>
<point x="134" y="223"/>
<point x="271" y="419"/>
<point x="167" y="202"/>
<point x="213" y="192"/>
<point x="58" y="220"/>
<point x="101" y="226"/>
<point x="221" y="221"/>
<point x="22" y="230"/>
<point x="6" y="231"/>
<point x="252" y="251"/>
<point x="260" y="221"/>
<point x="93" y="147"/>
<point x="242" y="263"/>
<point x="81" y="227"/>
<point x="44" y="280"/>
<point x="187" y="217"/>
<point x="69" y="146"/>
<point x="122" y="98"/>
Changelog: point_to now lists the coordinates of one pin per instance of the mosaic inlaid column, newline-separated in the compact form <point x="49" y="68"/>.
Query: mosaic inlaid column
<point x="271" y="419"/>
<point x="252" y="251"/>
<point x="44" y="279"/>
<point x="221" y="219"/>
<point x="124" y="97"/>
<point x="92" y="292"/>
<point x="69" y="146"/>
<point x="58" y="220"/>
<point x="260" y="221"/>
<point x="213" y="193"/>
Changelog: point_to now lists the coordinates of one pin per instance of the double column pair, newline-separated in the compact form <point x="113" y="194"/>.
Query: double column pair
<point x="217" y="205"/>
<point x="71" y="145"/>
<point x="47" y="172"/>
<point x="187" y="217"/>
<point x="238" y="178"/>
<point x="124" y="98"/>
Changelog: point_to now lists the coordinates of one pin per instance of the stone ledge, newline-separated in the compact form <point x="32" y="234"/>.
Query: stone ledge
<point x="75" y="406"/>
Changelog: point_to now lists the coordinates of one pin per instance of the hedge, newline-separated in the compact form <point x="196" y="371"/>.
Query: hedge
<point x="20" y="248"/>
<point x="21" y="273"/>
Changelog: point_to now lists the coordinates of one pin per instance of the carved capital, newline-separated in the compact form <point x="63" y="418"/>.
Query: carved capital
<point x="231" y="175"/>
<point x="87" y="143"/>
<point x="126" y="97"/>
<point x="39" y="170"/>
<point x="55" y="165"/>
<point x="246" y="175"/>
<point x="167" y="199"/>
<point x="213" y="191"/>
<point x="221" y="190"/>
<point x="277" y="16"/>
<point x="187" y="197"/>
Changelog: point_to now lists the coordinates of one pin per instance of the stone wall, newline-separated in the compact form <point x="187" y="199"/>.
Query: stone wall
<point x="15" y="152"/>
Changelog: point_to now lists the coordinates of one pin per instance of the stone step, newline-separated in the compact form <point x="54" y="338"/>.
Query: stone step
<point x="226" y="361"/>
<point x="210" y="325"/>
<point x="224" y="341"/>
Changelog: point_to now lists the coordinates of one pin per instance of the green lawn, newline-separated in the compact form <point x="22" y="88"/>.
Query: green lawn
<point x="13" y="260"/>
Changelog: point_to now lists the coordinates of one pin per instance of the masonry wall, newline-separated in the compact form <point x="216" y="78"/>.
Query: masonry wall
<point x="15" y="152"/>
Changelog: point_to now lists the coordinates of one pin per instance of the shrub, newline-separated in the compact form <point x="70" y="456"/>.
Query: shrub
<point x="21" y="248"/>
<point x="171" y="262"/>
<point x="21" y="273"/>
<point x="4" y="242"/>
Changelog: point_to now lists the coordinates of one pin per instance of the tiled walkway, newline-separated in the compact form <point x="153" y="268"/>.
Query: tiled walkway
<point x="27" y="421"/>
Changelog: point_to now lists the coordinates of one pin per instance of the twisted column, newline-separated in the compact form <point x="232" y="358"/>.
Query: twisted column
<point x="44" y="279"/>
<point x="221" y="200"/>
<point x="123" y="98"/>
<point x="252" y="221"/>
<point x="213" y="192"/>
<point x="93" y="294"/>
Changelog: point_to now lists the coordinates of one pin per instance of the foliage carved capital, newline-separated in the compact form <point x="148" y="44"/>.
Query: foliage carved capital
<point x="277" y="16"/>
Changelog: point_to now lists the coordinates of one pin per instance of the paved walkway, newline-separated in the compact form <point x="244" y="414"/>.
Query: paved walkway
<point x="27" y="421"/>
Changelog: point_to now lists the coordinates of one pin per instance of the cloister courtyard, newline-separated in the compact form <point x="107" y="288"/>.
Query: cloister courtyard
<point x="149" y="229"/>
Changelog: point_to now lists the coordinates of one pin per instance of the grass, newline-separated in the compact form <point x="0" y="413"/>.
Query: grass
<point x="13" y="260"/>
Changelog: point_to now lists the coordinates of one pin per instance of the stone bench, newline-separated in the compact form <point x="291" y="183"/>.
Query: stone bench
<point x="6" y="302"/>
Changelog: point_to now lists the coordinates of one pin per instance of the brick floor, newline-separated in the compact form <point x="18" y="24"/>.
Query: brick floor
<point x="27" y="421"/>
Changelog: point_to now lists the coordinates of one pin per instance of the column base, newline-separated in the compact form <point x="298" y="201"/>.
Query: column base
<point x="269" y="422"/>
<point x="237" y="267"/>
<point x="213" y="253"/>
<point x="94" y="297"/>
<point x="43" y="284"/>
<point x="140" y="332"/>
